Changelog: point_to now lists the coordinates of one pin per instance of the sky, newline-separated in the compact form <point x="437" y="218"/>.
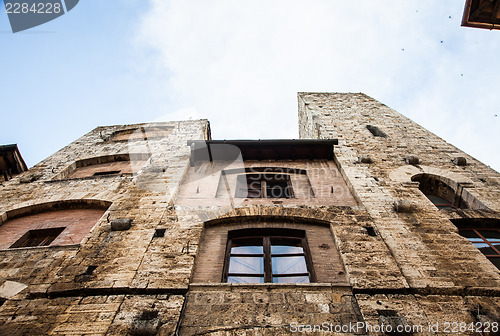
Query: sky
<point x="240" y="64"/>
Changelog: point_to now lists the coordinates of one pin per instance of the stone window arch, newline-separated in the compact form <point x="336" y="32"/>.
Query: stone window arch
<point x="446" y="193"/>
<point x="438" y="190"/>
<point x="117" y="164"/>
<point x="141" y="133"/>
<point x="53" y="223"/>
<point x="308" y="251"/>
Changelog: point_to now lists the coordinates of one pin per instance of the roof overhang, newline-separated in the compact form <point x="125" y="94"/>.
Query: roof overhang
<point x="223" y="150"/>
<point x="11" y="160"/>
<point x="482" y="14"/>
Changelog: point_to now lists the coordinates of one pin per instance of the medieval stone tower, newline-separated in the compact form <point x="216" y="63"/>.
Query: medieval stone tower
<point x="367" y="224"/>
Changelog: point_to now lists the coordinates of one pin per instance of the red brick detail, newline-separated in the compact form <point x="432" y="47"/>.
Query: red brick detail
<point x="325" y="256"/>
<point x="77" y="224"/>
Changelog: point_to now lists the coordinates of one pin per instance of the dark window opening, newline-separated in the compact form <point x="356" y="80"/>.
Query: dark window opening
<point x="439" y="193"/>
<point x="375" y="131"/>
<point x="160" y="232"/>
<point x="109" y="172"/>
<point x="41" y="237"/>
<point x="264" y="185"/>
<point x="487" y="240"/>
<point x="440" y="202"/>
<point x="267" y="255"/>
<point x="371" y="231"/>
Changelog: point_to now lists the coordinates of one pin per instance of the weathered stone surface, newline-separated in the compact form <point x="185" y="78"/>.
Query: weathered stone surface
<point x="163" y="274"/>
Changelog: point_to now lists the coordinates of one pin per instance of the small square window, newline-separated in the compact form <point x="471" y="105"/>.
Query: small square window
<point x="41" y="237"/>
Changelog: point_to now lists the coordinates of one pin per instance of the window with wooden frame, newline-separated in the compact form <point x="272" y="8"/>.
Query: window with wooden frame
<point x="41" y="237"/>
<point x="487" y="240"/>
<point x="264" y="185"/>
<point x="267" y="255"/>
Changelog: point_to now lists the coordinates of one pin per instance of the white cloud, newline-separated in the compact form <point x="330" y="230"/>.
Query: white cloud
<point x="240" y="64"/>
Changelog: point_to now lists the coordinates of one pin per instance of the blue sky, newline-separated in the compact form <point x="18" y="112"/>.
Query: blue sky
<point x="240" y="65"/>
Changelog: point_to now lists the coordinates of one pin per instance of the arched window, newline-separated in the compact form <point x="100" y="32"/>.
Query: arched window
<point x="442" y="195"/>
<point x="46" y="224"/>
<point x="141" y="133"/>
<point x="267" y="255"/>
<point x="268" y="249"/>
<point x="123" y="164"/>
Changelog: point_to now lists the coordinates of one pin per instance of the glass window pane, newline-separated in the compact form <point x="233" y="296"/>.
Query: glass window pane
<point x="485" y="248"/>
<point x="296" y="279"/>
<point x="249" y="265"/>
<point x="247" y="250"/>
<point x="495" y="261"/>
<point x="438" y="200"/>
<point x="286" y="246"/>
<point x="287" y="265"/>
<point x="490" y="234"/>
<point x="239" y="279"/>
<point x="247" y="246"/>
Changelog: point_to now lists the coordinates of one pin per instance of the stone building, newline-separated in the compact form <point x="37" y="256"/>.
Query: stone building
<point x="367" y="224"/>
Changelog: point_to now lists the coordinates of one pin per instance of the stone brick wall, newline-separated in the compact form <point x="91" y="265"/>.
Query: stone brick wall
<point x="392" y="256"/>
<point x="434" y="260"/>
<point x="112" y="282"/>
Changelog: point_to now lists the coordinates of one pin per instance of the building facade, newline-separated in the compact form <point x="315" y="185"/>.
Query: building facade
<point x="367" y="224"/>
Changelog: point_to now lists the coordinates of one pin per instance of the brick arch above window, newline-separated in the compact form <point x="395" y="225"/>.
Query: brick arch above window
<point x="64" y="222"/>
<point x="267" y="216"/>
<point x="446" y="193"/>
<point x="325" y="261"/>
<point x="460" y="189"/>
<point x="141" y="133"/>
<point x="405" y="173"/>
<point x="117" y="164"/>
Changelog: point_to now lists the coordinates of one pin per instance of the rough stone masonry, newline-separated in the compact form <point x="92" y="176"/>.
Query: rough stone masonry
<point x="129" y="230"/>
